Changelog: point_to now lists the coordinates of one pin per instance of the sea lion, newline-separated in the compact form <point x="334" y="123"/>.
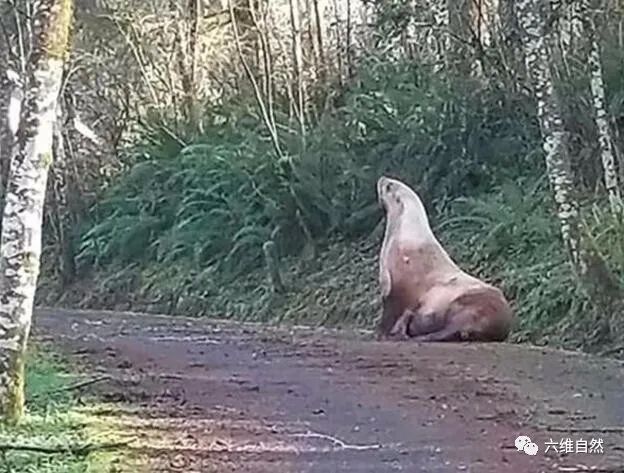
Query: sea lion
<point x="425" y="295"/>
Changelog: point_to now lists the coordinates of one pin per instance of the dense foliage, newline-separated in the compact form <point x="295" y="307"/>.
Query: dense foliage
<point x="220" y="197"/>
<point x="191" y="212"/>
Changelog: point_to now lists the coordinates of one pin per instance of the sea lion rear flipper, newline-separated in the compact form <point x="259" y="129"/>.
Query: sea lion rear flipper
<point x="422" y="323"/>
<point x="447" y="334"/>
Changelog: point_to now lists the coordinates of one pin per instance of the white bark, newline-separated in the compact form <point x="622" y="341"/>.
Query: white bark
<point x="411" y="30"/>
<point x="602" y="124"/>
<point x="22" y="219"/>
<point x="320" y="34"/>
<point x="442" y="22"/>
<point x="570" y="25"/>
<point x="15" y="101"/>
<point x="295" y="23"/>
<point x="14" y="108"/>
<point x="538" y="59"/>
<point x="485" y="17"/>
<point x="600" y="111"/>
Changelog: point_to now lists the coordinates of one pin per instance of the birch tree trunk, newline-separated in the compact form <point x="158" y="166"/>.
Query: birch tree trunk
<point x="537" y="59"/>
<point x="570" y="25"/>
<point x="442" y="22"/>
<point x="319" y="34"/>
<point x="596" y="81"/>
<point x="194" y="13"/>
<point x="22" y="219"/>
<point x="297" y="52"/>
<point x="16" y="96"/>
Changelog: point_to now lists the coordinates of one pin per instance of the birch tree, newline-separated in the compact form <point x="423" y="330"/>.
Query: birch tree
<point x="569" y="17"/>
<point x="25" y="194"/>
<point x="599" y="282"/>
<point x="441" y="21"/>
<point x="537" y="59"/>
<point x="318" y="20"/>
<point x="297" y="52"/>
<point x="596" y="81"/>
<point x="13" y="113"/>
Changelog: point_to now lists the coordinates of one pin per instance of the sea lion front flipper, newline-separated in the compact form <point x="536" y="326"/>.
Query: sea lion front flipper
<point x="400" y="331"/>
<point x="385" y="280"/>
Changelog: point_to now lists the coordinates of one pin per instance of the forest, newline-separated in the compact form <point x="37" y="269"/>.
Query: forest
<point x="216" y="128"/>
<point x="273" y="122"/>
<point x="219" y="158"/>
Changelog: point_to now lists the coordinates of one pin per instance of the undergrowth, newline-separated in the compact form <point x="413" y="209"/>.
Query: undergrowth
<point x="181" y="231"/>
<point x="508" y="237"/>
<point x="55" y="419"/>
<point x="216" y="200"/>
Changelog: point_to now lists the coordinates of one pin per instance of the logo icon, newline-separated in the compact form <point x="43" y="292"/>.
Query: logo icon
<point x="524" y="444"/>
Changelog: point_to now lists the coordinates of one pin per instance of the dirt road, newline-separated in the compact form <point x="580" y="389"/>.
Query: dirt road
<point x="206" y="396"/>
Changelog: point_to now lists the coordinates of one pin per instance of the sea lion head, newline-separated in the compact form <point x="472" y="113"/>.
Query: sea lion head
<point x="398" y="199"/>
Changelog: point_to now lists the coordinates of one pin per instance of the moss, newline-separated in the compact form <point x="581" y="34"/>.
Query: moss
<point x="46" y="160"/>
<point x="31" y="262"/>
<point x="12" y="409"/>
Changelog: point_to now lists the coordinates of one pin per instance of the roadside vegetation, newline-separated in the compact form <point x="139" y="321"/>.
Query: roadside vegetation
<point x="182" y="230"/>
<point x="60" y="433"/>
<point x="272" y="125"/>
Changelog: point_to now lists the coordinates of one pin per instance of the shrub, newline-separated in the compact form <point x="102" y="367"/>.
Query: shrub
<point x="217" y="199"/>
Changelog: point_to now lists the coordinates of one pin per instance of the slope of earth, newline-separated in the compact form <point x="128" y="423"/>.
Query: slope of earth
<point x="209" y="396"/>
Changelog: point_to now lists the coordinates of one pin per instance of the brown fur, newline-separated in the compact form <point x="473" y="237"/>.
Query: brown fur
<point x="426" y="296"/>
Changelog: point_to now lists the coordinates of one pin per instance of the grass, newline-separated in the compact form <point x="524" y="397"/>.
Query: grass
<point x="56" y="419"/>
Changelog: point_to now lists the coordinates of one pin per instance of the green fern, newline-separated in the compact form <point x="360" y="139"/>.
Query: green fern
<point x="472" y="151"/>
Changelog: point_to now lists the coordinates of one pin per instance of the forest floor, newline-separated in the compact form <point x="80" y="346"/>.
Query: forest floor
<point x="205" y="396"/>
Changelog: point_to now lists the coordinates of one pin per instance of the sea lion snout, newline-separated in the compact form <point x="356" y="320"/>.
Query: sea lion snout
<point x="380" y="183"/>
<point x="389" y="192"/>
<point x="384" y="185"/>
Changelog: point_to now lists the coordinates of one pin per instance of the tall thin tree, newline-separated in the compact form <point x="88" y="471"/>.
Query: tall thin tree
<point x="538" y="58"/>
<point x="442" y="22"/>
<point x="597" y="87"/>
<point x="297" y="52"/>
<point x="25" y="194"/>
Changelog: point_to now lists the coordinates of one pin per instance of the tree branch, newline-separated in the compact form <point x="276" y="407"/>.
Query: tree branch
<point x="254" y="83"/>
<point x="73" y="450"/>
<point x="74" y="387"/>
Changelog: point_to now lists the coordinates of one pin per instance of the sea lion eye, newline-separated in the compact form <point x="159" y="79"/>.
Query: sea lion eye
<point x="388" y="187"/>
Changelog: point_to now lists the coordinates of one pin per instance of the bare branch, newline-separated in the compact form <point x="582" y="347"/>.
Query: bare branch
<point x="79" y="450"/>
<point x="254" y="83"/>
